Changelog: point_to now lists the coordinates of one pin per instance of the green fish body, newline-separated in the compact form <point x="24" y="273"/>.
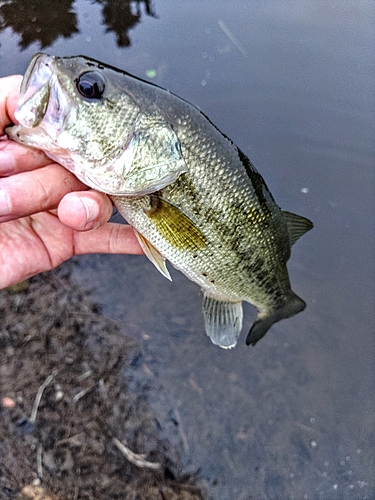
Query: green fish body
<point x="192" y="197"/>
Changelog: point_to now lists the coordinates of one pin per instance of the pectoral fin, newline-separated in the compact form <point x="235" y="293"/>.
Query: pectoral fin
<point x="174" y="225"/>
<point x="155" y="257"/>
<point x="223" y="321"/>
<point x="297" y="226"/>
<point x="151" y="160"/>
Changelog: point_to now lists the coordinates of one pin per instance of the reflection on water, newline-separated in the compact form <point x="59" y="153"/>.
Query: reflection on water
<point x="120" y="16"/>
<point x="45" y="21"/>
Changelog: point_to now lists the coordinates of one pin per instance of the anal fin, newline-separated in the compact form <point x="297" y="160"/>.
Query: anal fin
<point x="153" y="255"/>
<point x="223" y="321"/>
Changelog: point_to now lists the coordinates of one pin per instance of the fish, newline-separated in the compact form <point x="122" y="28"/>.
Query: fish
<point x="192" y="196"/>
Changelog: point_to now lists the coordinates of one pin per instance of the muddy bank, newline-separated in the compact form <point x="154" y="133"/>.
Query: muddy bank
<point x="69" y="426"/>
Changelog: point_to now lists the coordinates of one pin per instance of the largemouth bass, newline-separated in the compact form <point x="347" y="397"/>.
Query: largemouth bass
<point x="192" y="197"/>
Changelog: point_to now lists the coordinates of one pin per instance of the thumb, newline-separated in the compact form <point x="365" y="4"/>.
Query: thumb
<point x="85" y="210"/>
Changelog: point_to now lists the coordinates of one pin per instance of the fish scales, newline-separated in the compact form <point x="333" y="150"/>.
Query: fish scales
<point x="234" y="229"/>
<point x="192" y="196"/>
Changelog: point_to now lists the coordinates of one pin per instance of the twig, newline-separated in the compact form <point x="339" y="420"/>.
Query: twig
<point x="72" y="441"/>
<point x="181" y="430"/>
<point x="38" y="396"/>
<point x="134" y="458"/>
<point x="87" y="374"/>
<point x="82" y="393"/>
<point x="232" y="38"/>
<point x="39" y="464"/>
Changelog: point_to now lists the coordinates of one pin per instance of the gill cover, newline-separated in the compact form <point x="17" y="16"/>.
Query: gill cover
<point x="58" y="95"/>
<point x="151" y="159"/>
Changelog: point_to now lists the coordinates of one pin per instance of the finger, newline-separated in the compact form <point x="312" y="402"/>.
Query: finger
<point x="16" y="158"/>
<point x="85" y="210"/>
<point x="111" y="238"/>
<point x="9" y="92"/>
<point x="32" y="192"/>
<point x="31" y="245"/>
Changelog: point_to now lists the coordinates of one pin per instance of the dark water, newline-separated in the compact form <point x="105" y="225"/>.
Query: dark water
<point x="292" y="84"/>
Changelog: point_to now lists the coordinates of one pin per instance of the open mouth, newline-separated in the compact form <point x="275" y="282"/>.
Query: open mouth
<point x="35" y="91"/>
<point x="43" y="104"/>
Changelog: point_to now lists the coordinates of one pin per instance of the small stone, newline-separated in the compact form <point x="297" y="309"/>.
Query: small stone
<point x="7" y="402"/>
<point x="59" y="395"/>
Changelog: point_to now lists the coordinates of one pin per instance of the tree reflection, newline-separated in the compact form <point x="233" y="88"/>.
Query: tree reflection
<point x="42" y="21"/>
<point x="46" y="20"/>
<point x="121" y="15"/>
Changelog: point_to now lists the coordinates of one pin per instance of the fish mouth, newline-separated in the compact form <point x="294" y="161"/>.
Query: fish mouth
<point x="42" y="104"/>
<point x="35" y="91"/>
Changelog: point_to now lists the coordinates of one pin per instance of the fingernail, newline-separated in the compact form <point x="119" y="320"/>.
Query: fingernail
<point x="92" y="209"/>
<point x="6" y="163"/>
<point x="5" y="207"/>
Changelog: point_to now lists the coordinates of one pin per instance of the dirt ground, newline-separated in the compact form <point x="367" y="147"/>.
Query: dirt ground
<point x="69" y="426"/>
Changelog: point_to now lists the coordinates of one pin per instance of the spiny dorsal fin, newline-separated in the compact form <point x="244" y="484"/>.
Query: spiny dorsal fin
<point x="297" y="226"/>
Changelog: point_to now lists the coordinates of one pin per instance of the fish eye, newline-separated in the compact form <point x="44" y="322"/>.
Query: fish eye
<point x="91" y="85"/>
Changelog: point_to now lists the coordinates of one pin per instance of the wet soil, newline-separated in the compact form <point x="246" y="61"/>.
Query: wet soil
<point x="70" y="428"/>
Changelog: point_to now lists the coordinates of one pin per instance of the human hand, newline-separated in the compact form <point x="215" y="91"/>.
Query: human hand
<point x="46" y="214"/>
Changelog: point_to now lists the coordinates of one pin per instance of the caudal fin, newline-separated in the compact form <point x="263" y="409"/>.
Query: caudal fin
<point x="293" y="306"/>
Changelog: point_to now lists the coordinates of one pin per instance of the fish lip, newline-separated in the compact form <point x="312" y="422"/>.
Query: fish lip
<point x="36" y="79"/>
<point x="36" y="61"/>
<point x="43" y="105"/>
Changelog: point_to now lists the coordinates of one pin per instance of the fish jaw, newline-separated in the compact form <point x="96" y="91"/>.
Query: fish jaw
<point x="44" y="110"/>
<point x="45" y="113"/>
<point x="35" y="91"/>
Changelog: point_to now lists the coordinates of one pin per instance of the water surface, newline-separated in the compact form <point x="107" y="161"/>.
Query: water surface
<point x="292" y="84"/>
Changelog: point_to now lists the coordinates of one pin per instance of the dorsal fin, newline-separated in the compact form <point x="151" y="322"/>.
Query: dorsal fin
<point x="297" y="226"/>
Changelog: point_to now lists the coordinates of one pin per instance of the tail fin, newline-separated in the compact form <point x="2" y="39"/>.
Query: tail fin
<point x="293" y="306"/>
